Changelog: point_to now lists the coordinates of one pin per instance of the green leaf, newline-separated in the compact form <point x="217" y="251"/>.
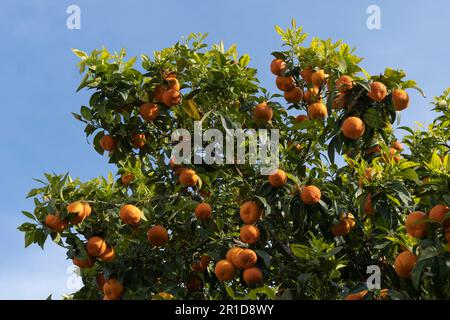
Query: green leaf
<point x="264" y="256"/>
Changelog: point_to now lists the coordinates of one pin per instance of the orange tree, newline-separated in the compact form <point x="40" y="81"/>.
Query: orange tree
<point x="346" y="195"/>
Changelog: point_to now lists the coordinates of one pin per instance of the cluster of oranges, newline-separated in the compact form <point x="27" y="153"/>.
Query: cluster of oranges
<point x="166" y="94"/>
<point x="96" y="248"/>
<point x="416" y="225"/>
<point x="78" y="211"/>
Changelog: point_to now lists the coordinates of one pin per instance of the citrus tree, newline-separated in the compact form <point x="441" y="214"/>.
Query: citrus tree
<point x="346" y="196"/>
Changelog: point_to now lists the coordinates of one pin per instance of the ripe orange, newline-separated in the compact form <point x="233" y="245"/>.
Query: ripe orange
<point x="205" y="260"/>
<point x="87" y="209"/>
<point x="203" y="211"/>
<point x="353" y="128"/>
<point x="108" y="143"/>
<point x="224" y="270"/>
<point x="404" y="264"/>
<point x="126" y="178"/>
<point x="165" y="296"/>
<point x="294" y="95"/>
<point x="138" y="140"/>
<point x="414" y="224"/>
<point x="250" y="212"/>
<point x="83" y="264"/>
<point x="350" y="218"/>
<point x="311" y="95"/>
<point x="284" y="83"/>
<point x="301" y="118"/>
<point x="317" y="110"/>
<point x="263" y="112"/>
<point x="438" y="212"/>
<point x="341" y="229"/>
<point x="158" y="93"/>
<point x="232" y="254"/>
<point x="194" y="284"/>
<point x="172" y="83"/>
<point x="249" y="234"/>
<point x="400" y="99"/>
<point x="149" y="111"/>
<point x="310" y="195"/>
<point x="357" y="296"/>
<point x="77" y="209"/>
<point x="374" y="149"/>
<point x="278" y="179"/>
<point x="55" y="223"/>
<point x="246" y="258"/>
<point x="177" y="168"/>
<point x="306" y="74"/>
<point x="368" y="207"/>
<point x="109" y="254"/>
<point x="188" y="178"/>
<point x="318" y="77"/>
<point x="378" y="91"/>
<point x="339" y="102"/>
<point x="96" y="246"/>
<point x="157" y="236"/>
<point x="397" y="145"/>
<point x="171" y="97"/>
<point x="344" y="83"/>
<point x="252" y="276"/>
<point x="130" y="215"/>
<point x="277" y="66"/>
<point x="113" y="289"/>
<point x="368" y="173"/>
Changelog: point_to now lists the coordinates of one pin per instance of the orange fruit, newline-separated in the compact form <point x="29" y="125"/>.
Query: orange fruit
<point x="96" y="246"/>
<point x="368" y="173"/>
<point x="397" y="145"/>
<point x="101" y="280"/>
<point x="172" y="83"/>
<point x="341" y="229"/>
<point x="113" y="289"/>
<point x="246" y="258"/>
<point x="374" y="149"/>
<point x="400" y="99"/>
<point x="252" y="276"/>
<point x="55" y="223"/>
<point x="109" y="254"/>
<point x="77" y="209"/>
<point x="414" y="224"/>
<point x="126" y="178"/>
<point x="83" y="264"/>
<point x="310" y="195"/>
<point x="177" y="168"/>
<point x="107" y="143"/>
<point x="278" y="179"/>
<point x="205" y="260"/>
<point x="249" y="234"/>
<point x="158" y="93"/>
<point x="157" y="236"/>
<point x="171" y="97"/>
<point x="404" y="264"/>
<point x="378" y="91"/>
<point x="306" y="74"/>
<point x="224" y="270"/>
<point x="339" y="102"/>
<point x="263" y="112"/>
<point x="301" y="118"/>
<point x="250" y="212"/>
<point x="188" y="178"/>
<point x="194" y="284"/>
<point x="284" y="83"/>
<point x="311" y="95"/>
<point x="368" y="208"/>
<point x="203" y="211"/>
<point x="344" y="83"/>
<point x="165" y="296"/>
<point x="357" y="296"/>
<point x="317" y="110"/>
<point x="277" y="66"/>
<point x="138" y="140"/>
<point x="148" y="111"/>
<point x="353" y="128"/>
<point x="318" y="77"/>
<point x="438" y="212"/>
<point x="232" y="254"/>
<point x="130" y="214"/>
<point x="350" y="218"/>
<point x="294" y="95"/>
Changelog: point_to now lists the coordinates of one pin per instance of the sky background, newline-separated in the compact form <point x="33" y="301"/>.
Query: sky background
<point x="39" y="78"/>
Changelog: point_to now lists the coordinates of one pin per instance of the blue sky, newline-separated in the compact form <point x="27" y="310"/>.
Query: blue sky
<point x="39" y="79"/>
